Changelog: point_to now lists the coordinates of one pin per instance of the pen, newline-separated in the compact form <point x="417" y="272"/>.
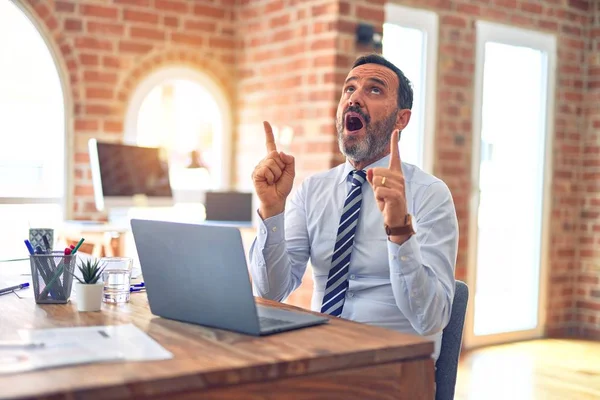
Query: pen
<point x="59" y="271"/>
<point x="50" y="264"/>
<point x="136" y="289"/>
<point x="32" y="252"/>
<point x="29" y="247"/>
<point x="41" y="267"/>
<point x="139" y="285"/>
<point x="78" y="246"/>
<point x="13" y="288"/>
<point x="47" y="243"/>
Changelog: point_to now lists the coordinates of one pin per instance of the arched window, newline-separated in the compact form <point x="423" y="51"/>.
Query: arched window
<point x="32" y="132"/>
<point x="186" y="113"/>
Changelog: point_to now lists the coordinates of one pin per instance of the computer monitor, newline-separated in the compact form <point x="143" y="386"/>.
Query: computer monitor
<point x="228" y="206"/>
<point x="126" y="176"/>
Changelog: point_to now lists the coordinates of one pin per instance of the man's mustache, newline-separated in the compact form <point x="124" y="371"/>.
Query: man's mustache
<point x="357" y="110"/>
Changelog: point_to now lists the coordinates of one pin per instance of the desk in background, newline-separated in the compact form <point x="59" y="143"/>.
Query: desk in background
<point x="116" y="240"/>
<point x="342" y="359"/>
<point x="101" y="239"/>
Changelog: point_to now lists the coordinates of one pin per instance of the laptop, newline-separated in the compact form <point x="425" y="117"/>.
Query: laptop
<point x="197" y="273"/>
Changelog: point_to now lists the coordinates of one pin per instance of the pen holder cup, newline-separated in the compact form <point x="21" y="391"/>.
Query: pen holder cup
<point x="52" y="276"/>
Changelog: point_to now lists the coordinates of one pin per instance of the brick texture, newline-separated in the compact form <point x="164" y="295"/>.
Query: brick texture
<point x="284" y="61"/>
<point x="287" y="53"/>
<point x="586" y="296"/>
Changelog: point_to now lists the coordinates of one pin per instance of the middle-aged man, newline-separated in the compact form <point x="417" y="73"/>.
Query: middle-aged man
<point x="382" y="253"/>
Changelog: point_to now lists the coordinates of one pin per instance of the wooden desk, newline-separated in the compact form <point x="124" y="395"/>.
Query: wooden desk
<point x="339" y="360"/>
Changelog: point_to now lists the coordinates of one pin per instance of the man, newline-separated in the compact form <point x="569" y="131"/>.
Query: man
<point x="369" y="264"/>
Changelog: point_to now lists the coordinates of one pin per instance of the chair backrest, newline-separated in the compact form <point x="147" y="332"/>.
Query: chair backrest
<point x="447" y="362"/>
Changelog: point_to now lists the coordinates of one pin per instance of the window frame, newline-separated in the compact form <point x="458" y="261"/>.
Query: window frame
<point x="156" y="78"/>
<point x="427" y="22"/>
<point x="66" y="201"/>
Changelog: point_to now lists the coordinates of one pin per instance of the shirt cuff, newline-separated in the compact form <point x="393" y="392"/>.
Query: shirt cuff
<point x="273" y="229"/>
<point x="405" y="258"/>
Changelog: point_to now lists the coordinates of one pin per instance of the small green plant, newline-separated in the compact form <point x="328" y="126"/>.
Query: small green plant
<point x="91" y="271"/>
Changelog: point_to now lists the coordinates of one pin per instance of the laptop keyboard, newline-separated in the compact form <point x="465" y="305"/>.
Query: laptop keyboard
<point x="266" y="322"/>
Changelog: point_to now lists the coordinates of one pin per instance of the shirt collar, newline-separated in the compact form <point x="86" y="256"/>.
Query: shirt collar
<point x="382" y="162"/>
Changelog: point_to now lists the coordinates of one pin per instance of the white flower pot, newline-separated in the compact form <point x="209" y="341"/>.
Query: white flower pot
<point x="89" y="297"/>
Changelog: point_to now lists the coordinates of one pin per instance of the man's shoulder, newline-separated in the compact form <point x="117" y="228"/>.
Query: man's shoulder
<point x="421" y="180"/>
<point x="416" y="176"/>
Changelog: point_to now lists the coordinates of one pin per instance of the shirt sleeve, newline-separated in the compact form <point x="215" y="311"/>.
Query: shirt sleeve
<point x="280" y="251"/>
<point x="422" y="268"/>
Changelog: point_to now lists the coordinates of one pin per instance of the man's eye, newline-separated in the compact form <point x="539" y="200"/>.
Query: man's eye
<point x="350" y="89"/>
<point x="376" y="90"/>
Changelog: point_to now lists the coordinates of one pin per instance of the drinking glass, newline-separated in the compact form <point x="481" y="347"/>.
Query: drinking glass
<point x="117" y="279"/>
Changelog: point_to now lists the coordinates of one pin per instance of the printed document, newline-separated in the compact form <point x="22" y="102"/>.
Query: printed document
<point x="81" y="345"/>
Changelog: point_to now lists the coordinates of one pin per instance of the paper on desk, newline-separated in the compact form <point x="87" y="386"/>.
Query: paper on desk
<point x="21" y="360"/>
<point x="82" y="345"/>
<point x="128" y="340"/>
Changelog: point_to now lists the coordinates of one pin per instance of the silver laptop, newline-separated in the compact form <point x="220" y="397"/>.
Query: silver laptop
<point x="198" y="274"/>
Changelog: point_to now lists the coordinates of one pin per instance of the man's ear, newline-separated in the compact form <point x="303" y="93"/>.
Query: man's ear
<point x="402" y="119"/>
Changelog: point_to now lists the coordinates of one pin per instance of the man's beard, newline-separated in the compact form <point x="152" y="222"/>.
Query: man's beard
<point x="376" y="141"/>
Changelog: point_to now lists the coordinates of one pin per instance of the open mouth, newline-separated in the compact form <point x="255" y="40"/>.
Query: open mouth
<point x="354" y="122"/>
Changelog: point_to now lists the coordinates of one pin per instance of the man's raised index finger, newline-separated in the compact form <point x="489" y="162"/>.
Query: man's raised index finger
<point x="270" y="138"/>
<point x="395" y="163"/>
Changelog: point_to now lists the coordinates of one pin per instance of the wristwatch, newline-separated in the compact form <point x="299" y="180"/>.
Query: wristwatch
<point x="405" y="229"/>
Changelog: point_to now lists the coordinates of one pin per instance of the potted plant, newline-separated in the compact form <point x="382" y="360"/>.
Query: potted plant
<point x="88" y="289"/>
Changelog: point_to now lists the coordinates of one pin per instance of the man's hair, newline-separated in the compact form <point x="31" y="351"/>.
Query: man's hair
<point x="405" y="92"/>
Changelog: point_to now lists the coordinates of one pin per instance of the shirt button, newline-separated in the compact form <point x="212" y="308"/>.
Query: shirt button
<point x="403" y="258"/>
<point x="352" y="276"/>
<point x="274" y="229"/>
<point x="263" y="231"/>
<point x="350" y="294"/>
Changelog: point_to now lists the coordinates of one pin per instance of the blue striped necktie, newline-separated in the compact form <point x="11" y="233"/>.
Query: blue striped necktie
<point x="337" y="282"/>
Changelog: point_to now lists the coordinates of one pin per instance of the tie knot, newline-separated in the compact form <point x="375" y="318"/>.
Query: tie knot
<point x="358" y="177"/>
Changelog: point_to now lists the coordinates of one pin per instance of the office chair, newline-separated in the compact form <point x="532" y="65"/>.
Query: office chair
<point x="447" y="363"/>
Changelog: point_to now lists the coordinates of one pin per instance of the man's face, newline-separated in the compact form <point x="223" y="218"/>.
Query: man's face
<point x="368" y="112"/>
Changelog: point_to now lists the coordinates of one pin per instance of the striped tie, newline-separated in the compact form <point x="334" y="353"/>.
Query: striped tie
<point x="337" y="282"/>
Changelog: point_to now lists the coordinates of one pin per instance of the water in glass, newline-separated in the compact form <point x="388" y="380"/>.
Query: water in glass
<point x="116" y="286"/>
<point x="117" y="279"/>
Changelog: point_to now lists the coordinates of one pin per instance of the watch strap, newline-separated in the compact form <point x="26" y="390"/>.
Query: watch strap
<point x="405" y="229"/>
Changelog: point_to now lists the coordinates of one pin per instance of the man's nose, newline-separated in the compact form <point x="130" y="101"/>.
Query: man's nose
<point x="355" y="99"/>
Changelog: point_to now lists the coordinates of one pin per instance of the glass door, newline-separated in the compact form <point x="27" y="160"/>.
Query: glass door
<point x="514" y="81"/>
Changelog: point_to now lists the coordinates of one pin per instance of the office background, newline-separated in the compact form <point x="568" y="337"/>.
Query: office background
<point x="243" y="62"/>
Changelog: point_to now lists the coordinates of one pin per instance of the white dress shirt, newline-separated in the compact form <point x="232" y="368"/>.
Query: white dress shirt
<point x="408" y="287"/>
